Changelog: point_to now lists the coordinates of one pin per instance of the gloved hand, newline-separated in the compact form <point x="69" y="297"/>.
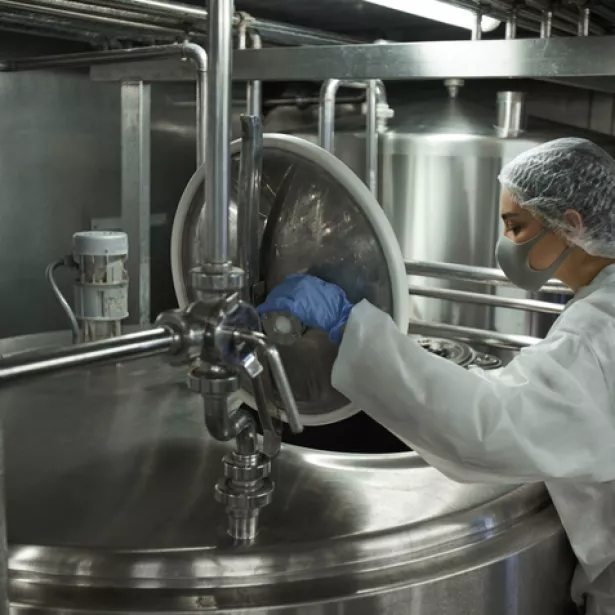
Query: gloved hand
<point x="314" y="302"/>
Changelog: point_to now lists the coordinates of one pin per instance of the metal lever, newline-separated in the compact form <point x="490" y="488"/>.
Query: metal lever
<point x="279" y="375"/>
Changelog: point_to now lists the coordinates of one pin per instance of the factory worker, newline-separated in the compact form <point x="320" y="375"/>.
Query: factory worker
<point x="550" y="414"/>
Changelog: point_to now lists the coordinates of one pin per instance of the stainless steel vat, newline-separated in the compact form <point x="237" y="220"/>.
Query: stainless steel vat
<point x="439" y="162"/>
<point x="110" y="478"/>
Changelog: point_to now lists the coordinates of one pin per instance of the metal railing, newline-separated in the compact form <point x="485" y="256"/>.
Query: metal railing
<point x="488" y="277"/>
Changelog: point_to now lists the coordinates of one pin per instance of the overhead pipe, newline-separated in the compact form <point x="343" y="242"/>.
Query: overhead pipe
<point x="187" y="14"/>
<point x="38" y="25"/>
<point x="45" y="7"/>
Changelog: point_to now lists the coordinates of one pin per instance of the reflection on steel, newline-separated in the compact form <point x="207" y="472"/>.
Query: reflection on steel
<point x="469" y="335"/>
<point x="250" y="170"/>
<point x="555" y="57"/>
<point x="132" y="346"/>
<point x="529" y="305"/>
<point x="376" y="100"/>
<point x="481" y="275"/>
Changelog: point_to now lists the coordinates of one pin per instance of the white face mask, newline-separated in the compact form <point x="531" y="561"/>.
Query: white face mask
<point x="514" y="259"/>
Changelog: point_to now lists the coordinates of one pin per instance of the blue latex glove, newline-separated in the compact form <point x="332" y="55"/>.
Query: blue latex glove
<point x="314" y="302"/>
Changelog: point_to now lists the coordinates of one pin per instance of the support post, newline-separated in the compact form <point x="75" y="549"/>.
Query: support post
<point x="136" y="206"/>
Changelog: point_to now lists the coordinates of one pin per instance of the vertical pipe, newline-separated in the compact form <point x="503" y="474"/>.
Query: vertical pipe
<point x="217" y="178"/>
<point x="326" y="112"/>
<point x="201" y="104"/>
<point x="511" y="114"/>
<point x="248" y="200"/>
<point x="371" y="148"/>
<point x="197" y="54"/>
<point x="584" y="21"/>
<point x="136" y="104"/>
<point x="255" y="88"/>
<point x="511" y="24"/>
<point x="477" y="31"/>
<point x="546" y="24"/>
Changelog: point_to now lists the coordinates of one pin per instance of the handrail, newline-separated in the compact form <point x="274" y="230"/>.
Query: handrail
<point x="480" y="275"/>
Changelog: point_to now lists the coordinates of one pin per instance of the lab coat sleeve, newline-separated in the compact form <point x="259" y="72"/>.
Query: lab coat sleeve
<point x="543" y="417"/>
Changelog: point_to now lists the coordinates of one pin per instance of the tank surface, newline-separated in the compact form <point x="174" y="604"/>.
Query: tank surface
<point x="110" y="477"/>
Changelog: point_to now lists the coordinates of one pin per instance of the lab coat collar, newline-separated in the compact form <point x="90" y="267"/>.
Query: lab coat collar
<point x="606" y="276"/>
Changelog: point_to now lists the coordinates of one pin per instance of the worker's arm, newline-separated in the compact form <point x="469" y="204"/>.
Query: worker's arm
<point x="543" y="417"/>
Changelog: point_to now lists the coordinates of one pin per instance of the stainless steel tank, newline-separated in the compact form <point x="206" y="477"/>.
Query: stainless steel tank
<point x="110" y="476"/>
<point x="439" y="163"/>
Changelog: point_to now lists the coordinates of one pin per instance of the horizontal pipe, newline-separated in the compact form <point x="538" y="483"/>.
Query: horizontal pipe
<point x="96" y="9"/>
<point x="47" y="360"/>
<point x="492" y="339"/>
<point x="480" y="275"/>
<point x="186" y="14"/>
<point x="462" y="296"/>
<point x="37" y="25"/>
<point x="92" y="18"/>
<point x="89" y="58"/>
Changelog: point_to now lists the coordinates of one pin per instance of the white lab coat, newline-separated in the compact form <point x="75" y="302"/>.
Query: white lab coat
<point x="548" y="416"/>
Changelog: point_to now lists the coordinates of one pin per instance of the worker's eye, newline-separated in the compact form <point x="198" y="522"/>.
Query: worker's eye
<point x="514" y="230"/>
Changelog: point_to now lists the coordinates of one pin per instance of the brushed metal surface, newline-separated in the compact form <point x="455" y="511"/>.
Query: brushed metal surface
<point x="110" y="478"/>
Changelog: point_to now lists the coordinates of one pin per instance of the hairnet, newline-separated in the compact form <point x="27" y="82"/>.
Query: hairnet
<point x="568" y="174"/>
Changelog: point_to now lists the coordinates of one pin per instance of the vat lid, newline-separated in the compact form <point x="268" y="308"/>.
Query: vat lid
<point x="319" y="218"/>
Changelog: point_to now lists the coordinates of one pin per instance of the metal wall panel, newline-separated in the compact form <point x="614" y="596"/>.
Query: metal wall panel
<point x="59" y="167"/>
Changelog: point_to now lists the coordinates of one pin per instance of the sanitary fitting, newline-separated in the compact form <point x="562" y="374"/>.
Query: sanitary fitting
<point x="189" y="333"/>
<point x="245" y="490"/>
<point x="216" y="279"/>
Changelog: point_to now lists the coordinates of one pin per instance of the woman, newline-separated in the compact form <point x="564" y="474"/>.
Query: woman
<point x="550" y="414"/>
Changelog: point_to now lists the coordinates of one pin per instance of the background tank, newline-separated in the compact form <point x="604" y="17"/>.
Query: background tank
<point x="439" y="163"/>
<point x="110" y="477"/>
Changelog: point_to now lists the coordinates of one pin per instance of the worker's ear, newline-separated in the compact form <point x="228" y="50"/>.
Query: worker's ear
<point x="574" y="220"/>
